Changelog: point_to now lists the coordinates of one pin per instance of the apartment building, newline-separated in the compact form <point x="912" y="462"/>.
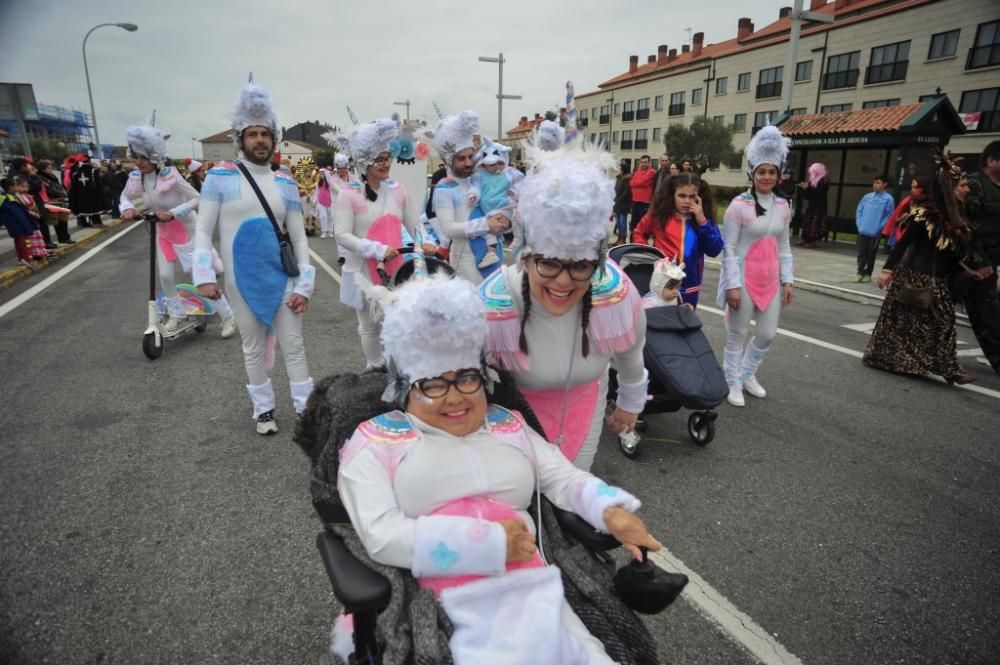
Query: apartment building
<point x="877" y="53"/>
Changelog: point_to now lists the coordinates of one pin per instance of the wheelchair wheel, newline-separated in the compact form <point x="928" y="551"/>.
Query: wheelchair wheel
<point x="629" y="444"/>
<point x="701" y="427"/>
<point x="202" y="326"/>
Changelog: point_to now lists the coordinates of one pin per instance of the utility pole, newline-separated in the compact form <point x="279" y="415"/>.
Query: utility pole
<point x="500" y="96"/>
<point x="407" y="105"/>
<point x="797" y="16"/>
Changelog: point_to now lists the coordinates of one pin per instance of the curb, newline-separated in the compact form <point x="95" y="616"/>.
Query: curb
<point x="14" y="275"/>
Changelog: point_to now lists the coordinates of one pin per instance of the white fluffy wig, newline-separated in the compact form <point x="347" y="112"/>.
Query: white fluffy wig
<point x="367" y="141"/>
<point x="146" y="141"/>
<point x="549" y="135"/>
<point x="453" y="134"/>
<point x="253" y="107"/>
<point x="768" y="146"/>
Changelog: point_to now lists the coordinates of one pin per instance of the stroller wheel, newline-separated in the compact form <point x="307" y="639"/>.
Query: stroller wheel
<point x="629" y="443"/>
<point x="701" y="427"/>
<point x="202" y="326"/>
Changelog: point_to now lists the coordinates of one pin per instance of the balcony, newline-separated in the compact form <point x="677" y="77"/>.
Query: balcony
<point x="675" y="109"/>
<point x="582" y="121"/>
<point x="845" y="79"/>
<point x="628" y="116"/>
<point x="983" y="56"/>
<point x="765" y="90"/>
<point x="604" y="119"/>
<point x="641" y="144"/>
<point x="989" y="121"/>
<point x="891" y="71"/>
<point x="625" y="145"/>
<point x="642" y="114"/>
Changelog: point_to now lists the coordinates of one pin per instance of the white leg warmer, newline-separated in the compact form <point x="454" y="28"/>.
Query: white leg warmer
<point x="223" y="309"/>
<point x="262" y="397"/>
<point x="751" y="360"/>
<point x="369" y="332"/>
<point x="300" y="393"/>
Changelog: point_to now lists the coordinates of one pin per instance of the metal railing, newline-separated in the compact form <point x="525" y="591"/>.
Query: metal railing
<point x="642" y="114"/>
<point x="890" y="71"/>
<point x="847" y="78"/>
<point x="983" y="56"/>
<point x="675" y="109"/>
<point x="765" y="90"/>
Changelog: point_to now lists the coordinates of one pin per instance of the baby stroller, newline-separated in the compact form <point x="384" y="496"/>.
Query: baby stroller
<point x="683" y="371"/>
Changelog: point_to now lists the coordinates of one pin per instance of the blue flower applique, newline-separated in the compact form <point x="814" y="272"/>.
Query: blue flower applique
<point x="606" y="490"/>
<point x="443" y="556"/>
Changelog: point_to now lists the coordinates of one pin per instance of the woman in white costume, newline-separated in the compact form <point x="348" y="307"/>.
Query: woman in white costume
<point x="174" y="201"/>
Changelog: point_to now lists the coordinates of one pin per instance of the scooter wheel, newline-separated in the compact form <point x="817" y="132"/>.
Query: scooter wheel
<point x="629" y="443"/>
<point x="701" y="427"/>
<point x="202" y="326"/>
<point x="150" y="347"/>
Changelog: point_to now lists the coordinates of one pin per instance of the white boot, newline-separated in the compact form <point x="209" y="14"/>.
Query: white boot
<point x="175" y="312"/>
<point x="489" y="259"/>
<point x="731" y="368"/>
<point x="262" y="397"/>
<point x="228" y="328"/>
<point x="748" y="369"/>
<point x="300" y="393"/>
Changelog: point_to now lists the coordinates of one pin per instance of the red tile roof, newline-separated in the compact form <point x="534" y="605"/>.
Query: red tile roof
<point x="774" y="33"/>
<point x="885" y="119"/>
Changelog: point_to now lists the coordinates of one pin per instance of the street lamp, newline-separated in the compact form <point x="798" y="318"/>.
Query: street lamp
<point x="797" y="16"/>
<point x="407" y="105"/>
<point x="192" y="147"/>
<point x="131" y="27"/>
<point x="500" y="96"/>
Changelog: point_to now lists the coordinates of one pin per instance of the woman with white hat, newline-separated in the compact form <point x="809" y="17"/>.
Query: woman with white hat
<point x="756" y="280"/>
<point x="564" y="312"/>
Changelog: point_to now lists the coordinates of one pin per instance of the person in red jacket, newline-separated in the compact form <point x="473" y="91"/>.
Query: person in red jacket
<point x="643" y="180"/>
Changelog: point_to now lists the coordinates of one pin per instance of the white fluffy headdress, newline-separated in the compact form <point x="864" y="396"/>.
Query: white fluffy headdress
<point x="549" y="135"/>
<point x="146" y="141"/>
<point x="253" y="107"/>
<point x="664" y="270"/>
<point x="768" y="146"/>
<point x="341" y="160"/>
<point x="491" y="153"/>
<point x="566" y="199"/>
<point x="453" y="134"/>
<point x="367" y="141"/>
<point x="432" y="326"/>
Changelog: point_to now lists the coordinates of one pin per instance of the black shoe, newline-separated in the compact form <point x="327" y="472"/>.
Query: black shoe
<point x="266" y="425"/>
<point x="340" y="261"/>
<point x="67" y="241"/>
<point x="50" y="245"/>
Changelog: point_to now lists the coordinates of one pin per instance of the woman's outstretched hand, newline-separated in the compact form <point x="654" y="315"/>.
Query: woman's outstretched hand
<point x="622" y="421"/>
<point x="630" y="531"/>
<point x="520" y="541"/>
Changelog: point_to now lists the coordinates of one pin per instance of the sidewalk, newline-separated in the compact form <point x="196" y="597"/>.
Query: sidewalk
<point x="12" y="272"/>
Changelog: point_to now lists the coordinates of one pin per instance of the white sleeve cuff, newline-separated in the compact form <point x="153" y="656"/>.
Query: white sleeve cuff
<point x="446" y="546"/>
<point x="632" y="397"/>
<point x="306" y="281"/>
<point x="201" y="267"/>
<point x="124" y="204"/>
<point x="184" y="208"/>
<point x="372" y="249"/>
<point x="476" y="227"/>
<point x="785" y="268"/>
<point x="731" y="277"/>
<point x="593" y="496"/>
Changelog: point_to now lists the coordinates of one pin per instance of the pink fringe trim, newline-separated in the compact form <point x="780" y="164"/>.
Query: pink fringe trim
<point x="612" y="329"/>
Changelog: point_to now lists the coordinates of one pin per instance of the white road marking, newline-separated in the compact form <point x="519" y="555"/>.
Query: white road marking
<point x="13" y="304"/>
<point x="860" y="327"/>
<point x="325" y="266"/>
<point x="716" y="608"/>
<point x="854" y="354"/>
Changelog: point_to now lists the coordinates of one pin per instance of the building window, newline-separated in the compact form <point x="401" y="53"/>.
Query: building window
<point x="626" y="143"/>
<point x="763" y="118"/>
<point x="835" y="108"/>
<point x="986" y="103"/>
<point x="603" y="138"/>
<point x="658" y="103"/>
<point x="582" y="121"/>
<point x="925" y="98"/>
<point x="676" y="104"/>
<point x="888" y="63"/>
<point x="657" y="134"/>
<point x="804" y="71"/>
<point x="880" y="103"/>
<point x="593" y="137"/>
<point x="720" y="85"/>
<point x="986" y="51"/>
<point x="721" y="119"/>
<point x="593" y="113"/>
<point x="743" y="82"/>
<point x="696" y="97"/>
<point x="943" y="45"/>
<point x="605" y="114"/>
<point x="642" y="109"/>
<point x="769" y="83"/>
<point x="798" y="111"/>
<point x="628" y="111"/>
<point x="641" y="139"/>
<point x="614" y="138"/>
<point x="617" y="107"/>
<point x="740" y="122"/>
<point x="841" y="71"/>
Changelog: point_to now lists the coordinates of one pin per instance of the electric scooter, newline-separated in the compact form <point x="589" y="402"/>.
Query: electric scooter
<point x="196" y="308"/>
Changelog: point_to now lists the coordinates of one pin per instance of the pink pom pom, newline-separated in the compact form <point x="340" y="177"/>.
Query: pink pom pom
<point x="422" y="151"/>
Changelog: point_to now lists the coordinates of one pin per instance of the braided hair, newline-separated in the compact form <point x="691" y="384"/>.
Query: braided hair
<point x="588" y="304"/>
<point x="522" y="341"/>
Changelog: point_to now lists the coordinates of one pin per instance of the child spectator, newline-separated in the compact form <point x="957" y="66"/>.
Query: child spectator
<point x="665" y="285"/>
<point x="490" y="191"/>
<point x="873" y="212"/>
<point x="17" y="219"/>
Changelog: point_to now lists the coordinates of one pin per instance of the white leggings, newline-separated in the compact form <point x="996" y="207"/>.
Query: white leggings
<point x="325" y="216"/>
<point x="737" y="326"/>
<point x="287" y="327"/>
<point x="369" y="331"/>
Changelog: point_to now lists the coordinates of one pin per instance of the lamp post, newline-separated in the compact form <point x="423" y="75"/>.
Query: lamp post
<point x="131" y="27"/>
<point x="192" y="147"/>
<point x="500" y="96"/>
<point x="407" y="105"/>
<point x="797" y="16"/>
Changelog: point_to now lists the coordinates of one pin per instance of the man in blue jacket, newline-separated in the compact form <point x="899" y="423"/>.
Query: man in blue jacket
<point x="873" y="212"/>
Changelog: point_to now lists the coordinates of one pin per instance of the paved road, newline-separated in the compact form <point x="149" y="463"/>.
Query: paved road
<point x="852" y="514"/>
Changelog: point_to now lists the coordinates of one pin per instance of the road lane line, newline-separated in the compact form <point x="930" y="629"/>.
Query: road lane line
<point x="716" y="608"/>
<point x="325" y="266"/>
<point x="13" y="304"/>
<point x="856" y="354"/>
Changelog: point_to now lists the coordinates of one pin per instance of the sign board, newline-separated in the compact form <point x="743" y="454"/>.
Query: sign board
<point x="971" y="120"/>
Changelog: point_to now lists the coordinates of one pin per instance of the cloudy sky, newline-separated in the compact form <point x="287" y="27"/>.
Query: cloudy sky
<point x="189" y="58"/>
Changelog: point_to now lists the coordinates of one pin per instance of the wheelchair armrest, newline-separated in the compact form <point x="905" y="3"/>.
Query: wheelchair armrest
<point x="580" y="530"/>
<point x="355" y="585"/>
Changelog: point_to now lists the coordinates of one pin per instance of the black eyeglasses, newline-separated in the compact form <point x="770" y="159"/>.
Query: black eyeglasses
<point x="382" y="161"/>
<point x="579" y="271"/>
<point x="466" y="383"/>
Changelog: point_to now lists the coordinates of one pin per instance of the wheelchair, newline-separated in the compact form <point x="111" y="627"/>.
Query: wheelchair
<point x="336" y="407"/>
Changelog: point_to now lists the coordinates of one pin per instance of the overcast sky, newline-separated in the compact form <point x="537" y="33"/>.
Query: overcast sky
<point x="189" y="58"/>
